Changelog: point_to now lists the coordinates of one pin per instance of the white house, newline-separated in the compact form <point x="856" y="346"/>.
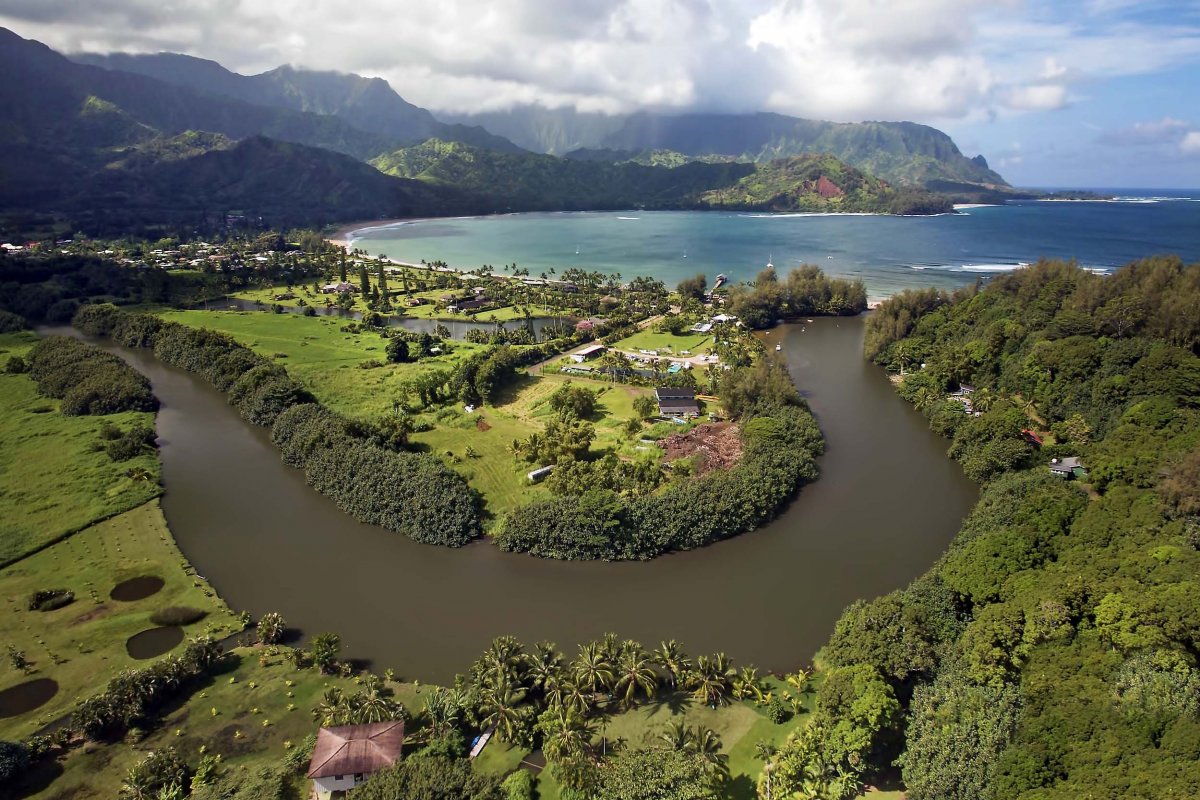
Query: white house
<point x="345" y="756"/>
<point x="588" y="352"/>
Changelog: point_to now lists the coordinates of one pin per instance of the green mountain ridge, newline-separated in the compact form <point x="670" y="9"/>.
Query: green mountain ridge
<point x="899" y="152"/>
<point x="813" y="182"/>
<point x="367" y="104"/>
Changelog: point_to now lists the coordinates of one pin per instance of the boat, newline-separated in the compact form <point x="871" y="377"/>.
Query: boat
<point x="685" y="253"/>
<point x="778" y="347"/>
<point x="770" y="260"/>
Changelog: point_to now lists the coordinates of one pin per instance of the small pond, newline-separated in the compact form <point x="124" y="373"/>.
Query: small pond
<point x="137" y="588"/>
<point x="154" y="641"/>
<point x="26" y="697"/>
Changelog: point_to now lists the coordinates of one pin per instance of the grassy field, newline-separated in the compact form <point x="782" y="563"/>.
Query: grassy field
<point x="695" y="343"/>
<point x="318" y="354"/>
<point x="262" y="708"/>
<point x="82" y="645"/>
<point x="327" y="361"/>
<point x="53" y="477"/>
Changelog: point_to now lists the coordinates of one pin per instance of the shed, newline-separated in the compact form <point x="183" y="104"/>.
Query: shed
<point x="1070" y="467"/>
<point x="591" y="351"/>
<point x="345" y="756"/>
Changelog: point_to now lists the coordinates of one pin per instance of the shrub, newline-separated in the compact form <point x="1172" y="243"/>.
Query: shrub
<point x="270" y="628"/>
<point x="130" y="444"/>
<point x="14" y="758"/>
<point x="777" y="710"/>
<point x="16" y="365"/>
<point x="87" y="379"/>
<point x="518" y="786"/>
<point x="11" y="323"/>
<point x="50" y="599"/>
<point x="177" y="615"/>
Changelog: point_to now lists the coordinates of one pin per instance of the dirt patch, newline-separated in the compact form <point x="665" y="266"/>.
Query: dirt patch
<point x="482" y="425"/>
<point x="96" y="612"/>
<point x="717" y="446"/>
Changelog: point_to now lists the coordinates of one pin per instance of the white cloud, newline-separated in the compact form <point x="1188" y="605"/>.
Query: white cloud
<point x="1037" y="97"/>
<point x="843" y="59"/>
<point x="1167" y="130"/>
<point x="1191" y="143"/>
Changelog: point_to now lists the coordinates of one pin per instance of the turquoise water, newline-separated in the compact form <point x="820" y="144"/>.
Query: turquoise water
<point x="888" y="253"/>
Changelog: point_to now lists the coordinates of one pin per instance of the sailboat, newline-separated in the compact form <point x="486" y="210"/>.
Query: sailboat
<point x="576" y="249"/>
<point x="769" y="260"/>
<point x="685" y="253"/>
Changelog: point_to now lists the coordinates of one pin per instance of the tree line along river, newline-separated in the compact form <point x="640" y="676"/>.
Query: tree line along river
<point x="887" y="503"/>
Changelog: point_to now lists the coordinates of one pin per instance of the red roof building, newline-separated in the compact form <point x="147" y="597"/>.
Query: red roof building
<point x="346" y="755"/>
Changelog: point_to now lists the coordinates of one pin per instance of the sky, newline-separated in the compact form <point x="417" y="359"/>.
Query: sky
<point x="1061" y="93"/>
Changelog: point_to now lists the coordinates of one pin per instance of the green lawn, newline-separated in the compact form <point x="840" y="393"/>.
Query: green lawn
<point x="695" y="343"/>
<point x="53" y="477"/>
<point x="318" y="354"/>
<point x="82" y="645"/>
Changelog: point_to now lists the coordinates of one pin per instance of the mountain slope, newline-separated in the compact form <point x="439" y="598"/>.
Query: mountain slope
<point x="369" y="104"/>
<point x="44" y="93"/>
<point x="899" y="152"/>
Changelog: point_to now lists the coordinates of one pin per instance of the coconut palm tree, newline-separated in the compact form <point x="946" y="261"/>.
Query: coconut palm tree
<point x="575" y="697"/>
<point x="543" y="666"/>
<point x="565" y="734"/>
<point x="634" y="672"/>
<point x="709" y="682"/>
<point x="374" y="707"/>
<point x="670" y="657"/>
<point x="766" y="752"/>
<point x="332" y="708"/>
<point x="503" y="657"/>
<point x="593" y="668"/>
<point x="707" y="744"/>
<point x="746" y="684"/>
<point x="676" y="735"/>
<point x="501" y="707"/>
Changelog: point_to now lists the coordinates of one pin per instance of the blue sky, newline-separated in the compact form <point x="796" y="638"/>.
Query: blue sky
<point x="1082" y="93"/>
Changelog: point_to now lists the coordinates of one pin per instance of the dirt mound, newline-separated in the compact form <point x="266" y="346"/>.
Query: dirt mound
<point x="717" y="445"/>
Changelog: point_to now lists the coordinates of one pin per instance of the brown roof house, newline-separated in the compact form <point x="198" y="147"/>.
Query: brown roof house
<point x="344" y="756"/>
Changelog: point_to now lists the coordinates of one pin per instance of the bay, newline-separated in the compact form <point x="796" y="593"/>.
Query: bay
<point x="888" y="253"/>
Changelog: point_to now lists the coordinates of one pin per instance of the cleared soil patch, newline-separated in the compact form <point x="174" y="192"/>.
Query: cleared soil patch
<point x="25" y="697"/>
<point x="717" y="446"/>
<point x="153" y="642"/>
<point x="137" y="588"/>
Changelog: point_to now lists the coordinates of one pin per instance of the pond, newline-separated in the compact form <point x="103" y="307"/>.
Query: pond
<point x="886" y="505"/>
<point x="153" y="642"/>
<point x="26" y="697"/>
<point x="138" y="588"/>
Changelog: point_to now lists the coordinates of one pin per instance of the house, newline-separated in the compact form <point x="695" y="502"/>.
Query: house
<point x="338" y="288"/>
<point x="346" y="755"/>
<point x="702" y="327"/>
<point x="720" y="318"/>
<point x="468" y="305"/>
<point x="1068" y="468"/>
<point x="676" y="402"/>
<point x="591" y="351"/>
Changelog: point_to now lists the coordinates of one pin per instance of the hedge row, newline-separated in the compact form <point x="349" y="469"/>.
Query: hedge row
<point x="410" y="493"/>
<point x="779" y="455"/>
<point x="86" y="379"/>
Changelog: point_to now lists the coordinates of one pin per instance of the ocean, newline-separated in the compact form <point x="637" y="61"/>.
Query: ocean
<point x="888" y="253"/>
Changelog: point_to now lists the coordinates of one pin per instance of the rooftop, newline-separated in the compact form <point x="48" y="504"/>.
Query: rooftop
<point x="354" y="749"/>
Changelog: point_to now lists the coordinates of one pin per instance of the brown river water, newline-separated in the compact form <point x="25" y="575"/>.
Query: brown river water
<point x="886" y="505"/>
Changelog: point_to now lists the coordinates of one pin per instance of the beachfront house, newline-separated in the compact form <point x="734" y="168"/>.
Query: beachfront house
<point x="346" y="755"/>
<point x="587" y="353"/>
<point x="338" y="288"/>
<point x="1068" y="468"/>
<point x="676" y="402"/>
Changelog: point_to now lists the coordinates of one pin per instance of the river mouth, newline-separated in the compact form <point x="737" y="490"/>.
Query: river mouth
<point x="886" y="505"/>
<point x="137" y="588"/>
<point x="153" y="642"/>
<point x="26" y="697"/>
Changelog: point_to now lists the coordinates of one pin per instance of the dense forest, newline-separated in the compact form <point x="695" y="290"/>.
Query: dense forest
<point x="1052" y="652"/>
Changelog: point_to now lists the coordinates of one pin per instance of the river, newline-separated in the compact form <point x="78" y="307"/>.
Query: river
<point x="886" y="505"/>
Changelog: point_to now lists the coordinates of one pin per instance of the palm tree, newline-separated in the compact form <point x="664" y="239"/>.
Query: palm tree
<point x="332" y="708"/>
<point x="374" y="707"/>
<point x="565" y="734"/>
<point x="503" y="657"/>
<point x="543" y="666"/>
<point x="765" y="752"/>
<point x="798" y="680"/>
<point x="709" y="682"/>
<point x="502" y="707"/>
<point x="707" y="744"/>
<point x="634" y="672"/>
<point x="593" y="668"/>
<point x="677" y="735"/>
<point x="576" y="698"/>
<point x="746" y="684"/>
<point x="670" y="656"/>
